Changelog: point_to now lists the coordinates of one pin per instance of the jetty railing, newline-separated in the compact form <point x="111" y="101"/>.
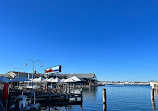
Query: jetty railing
<point x="60" y="96"/>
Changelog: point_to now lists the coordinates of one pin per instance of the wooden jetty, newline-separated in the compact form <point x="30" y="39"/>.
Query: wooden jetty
<point x="61" y="95"/>
<point x="47" y="98"/>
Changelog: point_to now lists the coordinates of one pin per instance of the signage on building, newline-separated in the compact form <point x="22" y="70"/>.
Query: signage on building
<point x="53" y="69"/>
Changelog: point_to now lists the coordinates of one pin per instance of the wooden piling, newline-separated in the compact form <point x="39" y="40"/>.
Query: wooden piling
<point x="153" y="99"/>
<point x="76" y="98"/>
<point x="104" y="100"/>
<point x="90" y="83"/>
<point x="66" y="88"/>
<point x="81" y="99"/>
<point x="152" y="94"/>
<point x="49" y="98"/>
<point x="81" y="108"/>
<point x="156" y="88"/>
<point x="81" y="95"/>
<point x="49" y="95"/>
<point x="69" y="89"/>
<point x="73" y="88"/>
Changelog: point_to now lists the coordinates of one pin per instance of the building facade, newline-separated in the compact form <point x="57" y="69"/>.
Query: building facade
<point x="85" y="77"/>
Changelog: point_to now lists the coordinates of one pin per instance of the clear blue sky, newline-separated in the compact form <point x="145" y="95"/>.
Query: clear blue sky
<point x="116" y="39"/>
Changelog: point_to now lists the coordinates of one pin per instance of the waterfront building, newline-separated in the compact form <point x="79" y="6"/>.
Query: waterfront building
<point x="85" y="77"/>
<point x="14" y="74"/>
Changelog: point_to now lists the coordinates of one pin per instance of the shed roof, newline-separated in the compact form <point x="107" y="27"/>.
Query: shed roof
<point x="13" y="74"/>
<point x="83" y="75"/>
<point x="78" y="75"/>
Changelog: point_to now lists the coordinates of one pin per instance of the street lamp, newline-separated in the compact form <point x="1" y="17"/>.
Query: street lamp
<point x="19" y="70"/>
<point x="33" y="69"/>
<point x="33" y="64"/>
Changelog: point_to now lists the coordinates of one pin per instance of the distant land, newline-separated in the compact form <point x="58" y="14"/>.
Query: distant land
<point x="122" y="83"/>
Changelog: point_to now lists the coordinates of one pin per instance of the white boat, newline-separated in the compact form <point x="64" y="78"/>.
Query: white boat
<point x="152" y="84"/>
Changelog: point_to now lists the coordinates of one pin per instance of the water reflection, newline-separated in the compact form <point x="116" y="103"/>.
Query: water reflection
<point x="87" y="93"/>
<point x="93" y="98"/>
<point x="132" y="98"/>
<point x="91" y="92"/>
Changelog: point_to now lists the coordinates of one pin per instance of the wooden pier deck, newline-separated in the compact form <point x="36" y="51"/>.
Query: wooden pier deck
<point x="55" y="99"/>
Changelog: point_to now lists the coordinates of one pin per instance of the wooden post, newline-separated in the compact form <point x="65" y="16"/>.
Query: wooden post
<point x="81" y="108"/>
<point x="69" y="88"/>
<point x="152" y="99"/>
<point x="65" y="108"/>
<point x="66" y="88"/>
<point x="152" y="94"/>
<point x="89" y="89"/>
<point x="90" y="83"/>
<point x="49" y="95"/>
<point x="81" y="99"/>
<point x="49" y="98"/>
<point x="76" y="99"/>
<point x="73" y="88"/>
<point x="81" y="95"/>
<point x="104" y="100"/>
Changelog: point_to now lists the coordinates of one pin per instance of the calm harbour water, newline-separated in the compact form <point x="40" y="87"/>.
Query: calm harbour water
<point x="119" y="98"/>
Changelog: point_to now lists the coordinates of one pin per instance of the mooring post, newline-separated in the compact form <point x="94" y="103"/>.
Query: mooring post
<point x="81" y="95"/>
<point x="49" y="98"/>
<point x="153" y="99"/>
<point x="81" y="99"/>
<point x="75" y="98"/>
<point x="65" y="108"/>
<point x="73" y="88"/>
<point x="49" y="95"/>
<point x="90" y="83"/>
<point x="104" y="100"/>
<point x="69" y="88"/>
<point x="81" y="108"/>
<point x="152" y="94"/>
<point x="66" y="88"/>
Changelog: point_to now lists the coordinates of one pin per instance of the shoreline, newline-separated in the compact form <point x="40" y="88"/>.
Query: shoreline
<point x="124" y="83"/>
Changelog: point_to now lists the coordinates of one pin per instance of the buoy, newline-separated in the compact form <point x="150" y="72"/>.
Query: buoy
<point x="5" y="91"/>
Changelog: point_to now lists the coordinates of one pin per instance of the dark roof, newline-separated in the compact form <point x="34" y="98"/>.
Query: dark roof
<point x="13" y="74"/>
<point x="25" y="74"/>
<point x="59" y="75"/>
<point x="79" y="75"/>
<point x="83" y="75"/>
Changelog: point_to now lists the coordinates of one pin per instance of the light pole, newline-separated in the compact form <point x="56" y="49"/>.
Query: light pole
<point x="19" y="70"/>
<point x="33" y="70"/>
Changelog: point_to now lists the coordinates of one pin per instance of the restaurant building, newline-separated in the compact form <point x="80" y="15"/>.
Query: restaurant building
<point x="85" y="77"/>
